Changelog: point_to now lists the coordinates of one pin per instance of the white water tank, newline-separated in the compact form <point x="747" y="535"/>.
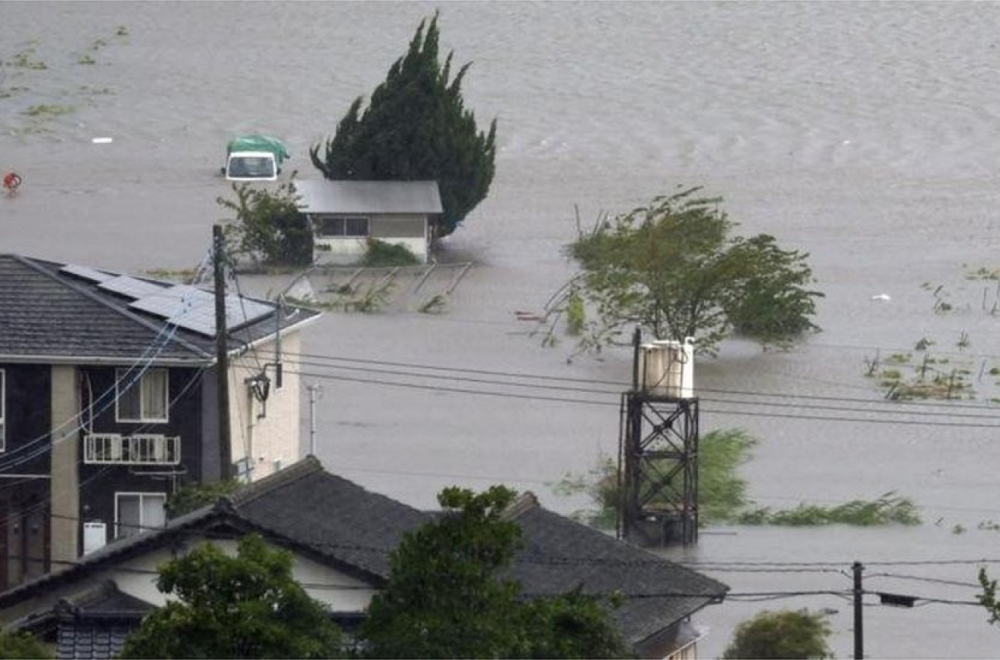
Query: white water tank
<point x="667" y="368"/>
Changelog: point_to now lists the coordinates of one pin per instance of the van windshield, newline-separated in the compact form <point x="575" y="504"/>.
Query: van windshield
<point x="251" y="167"/>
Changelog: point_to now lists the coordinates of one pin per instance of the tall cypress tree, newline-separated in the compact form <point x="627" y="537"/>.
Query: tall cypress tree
<point x="416" y="128"/>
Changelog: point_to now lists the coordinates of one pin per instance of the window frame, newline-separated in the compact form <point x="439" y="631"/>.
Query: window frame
<point x="140" y="494"/>
<point x="137" y="387"/>
<point x="343" y="221"/>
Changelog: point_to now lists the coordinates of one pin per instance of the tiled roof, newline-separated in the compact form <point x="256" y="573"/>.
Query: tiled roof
<point x="355" y="530"/>
<point x="86" y="640"/>
<point x="48" y="314"/>
<point x="560" y="554"/>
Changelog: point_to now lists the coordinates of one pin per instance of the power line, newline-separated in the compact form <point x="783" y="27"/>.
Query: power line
<point x="510" y="395"/>
<point x="620" y="385"/>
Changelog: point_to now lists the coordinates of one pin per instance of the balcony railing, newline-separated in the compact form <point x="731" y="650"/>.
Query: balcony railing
<point x="137" y="449"/>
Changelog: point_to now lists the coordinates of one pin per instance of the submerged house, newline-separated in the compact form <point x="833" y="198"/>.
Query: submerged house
<point x="344" y="215"/>
<point x="340" y="536"/>
<point x="108" y="403"/>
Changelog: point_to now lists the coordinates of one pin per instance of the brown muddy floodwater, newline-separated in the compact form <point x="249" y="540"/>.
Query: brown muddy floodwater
<point x="862" y="133"/>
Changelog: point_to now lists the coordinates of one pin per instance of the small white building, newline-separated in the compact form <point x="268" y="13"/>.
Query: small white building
<point x="344" y="215"/>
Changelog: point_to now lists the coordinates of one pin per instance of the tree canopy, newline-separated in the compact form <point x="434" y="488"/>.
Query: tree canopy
<point x="675" y="268"/>
<point x="246" y="606"/>
<point x="416" y="128"/>
<point x="268" y="226"/>
<point x="782" y="634"/>
<point x="446" y="597"/>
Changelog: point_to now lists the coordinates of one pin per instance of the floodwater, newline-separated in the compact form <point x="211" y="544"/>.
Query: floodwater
<point x="862" y="133"/>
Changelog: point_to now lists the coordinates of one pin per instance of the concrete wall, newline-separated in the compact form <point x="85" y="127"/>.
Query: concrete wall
<point x="64" y="525"/>
<point x="266" y="432"/>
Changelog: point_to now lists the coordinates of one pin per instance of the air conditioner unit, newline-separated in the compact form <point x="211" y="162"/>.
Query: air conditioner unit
<point x="95" y="536"/>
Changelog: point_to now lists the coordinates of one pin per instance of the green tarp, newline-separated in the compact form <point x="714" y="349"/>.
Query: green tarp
<point x="259" y="143"/>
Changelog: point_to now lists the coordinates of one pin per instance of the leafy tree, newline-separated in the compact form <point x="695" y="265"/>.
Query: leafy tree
<point x="988" y="598"/>
<point x="196" y="495"/>
<point x="246" y="606"/>
<point x="674" y="268"/>
<point x="23" y="645"/>
<point x="416" y="128"/>
<point x="268" y="227"/>
<point x="782" y="634"/>
<point x="445" y="599"/>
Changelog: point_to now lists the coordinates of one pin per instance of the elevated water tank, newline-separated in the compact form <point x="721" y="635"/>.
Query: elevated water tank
<point x="667" y="369"/>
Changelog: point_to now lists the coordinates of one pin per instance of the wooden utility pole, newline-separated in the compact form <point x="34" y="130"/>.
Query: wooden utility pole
<point x="222" y="354"/>
<point x="859" y="630"/>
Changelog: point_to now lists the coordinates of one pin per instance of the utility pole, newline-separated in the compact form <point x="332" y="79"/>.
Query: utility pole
<point x="222" y="354"/>
<point x="859" y="630"/>
<point x="312" y="416"/>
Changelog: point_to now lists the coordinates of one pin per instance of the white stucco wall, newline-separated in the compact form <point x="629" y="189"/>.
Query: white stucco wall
<point x="266" y="432"/>
<point x="409" y="231"/>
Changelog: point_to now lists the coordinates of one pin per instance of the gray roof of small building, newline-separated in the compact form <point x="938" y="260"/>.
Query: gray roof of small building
<point x="354" y="530"/>
<point x="50" y="315"/>
<point x="323" y="196"/>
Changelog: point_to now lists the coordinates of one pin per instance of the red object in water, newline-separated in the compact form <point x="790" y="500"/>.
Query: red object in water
<point x="11" y="181"/>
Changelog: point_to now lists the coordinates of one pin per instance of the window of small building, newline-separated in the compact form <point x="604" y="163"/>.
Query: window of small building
<point x="137" y="512"/>
<point x="142" y="401"/>
<point x="350" y="227"/>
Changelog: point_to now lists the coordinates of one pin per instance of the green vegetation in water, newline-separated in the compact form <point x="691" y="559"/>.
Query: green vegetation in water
<point x="722" y="493"/>
<point x="86" y="59"/>
<point x="436" y="304"/>
<point x="122" y="31"/>
<point x="183" y="275"/>
<point x="887" y="509"/>
<point x="46" y="110"/>
<point x="25" y="59"/>
<point x="576" y="315"/>
<point x="382" y="254"/>
<point x="367" y="300"/>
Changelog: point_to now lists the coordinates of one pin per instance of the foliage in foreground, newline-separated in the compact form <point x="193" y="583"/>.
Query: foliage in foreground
<point x="23" y="645"/>
<point x="722" y="493"/>
<point x="247" y="606"/>
<point x="445" y="598"/>
<point x="416" y="128"/>
<point x="674" y="268"/>
<point x="268" y="227"/>
<point x="196" y="495"/>
<point x="781" y="634"/>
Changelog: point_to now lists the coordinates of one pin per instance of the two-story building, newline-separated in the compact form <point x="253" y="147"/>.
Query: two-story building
<point x="108" y="403"/>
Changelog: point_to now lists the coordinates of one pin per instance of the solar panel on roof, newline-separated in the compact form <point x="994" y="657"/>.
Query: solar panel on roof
<point x="86" y="273"/>
<point x="130" y="287"/>
<point x="194" y="309"/>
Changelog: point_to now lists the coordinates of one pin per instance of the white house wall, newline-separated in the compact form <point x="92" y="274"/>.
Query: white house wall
<point x="267" y="433"/>
<point x="409" y="231"/>
<point x="137" y="577"/>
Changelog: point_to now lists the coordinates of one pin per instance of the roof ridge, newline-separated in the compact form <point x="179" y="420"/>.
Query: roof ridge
<point x="149" y="325"/>
<point x="524" y="502"/>
<point x="297" y="470"/>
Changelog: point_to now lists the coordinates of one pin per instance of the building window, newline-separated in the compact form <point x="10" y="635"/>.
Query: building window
<point x="3" y="410"/>
<point x="343" y="227"/>
<point x="143" y="401"/>
<point x="138" y="449"/>
<point x="137" y="512"/>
